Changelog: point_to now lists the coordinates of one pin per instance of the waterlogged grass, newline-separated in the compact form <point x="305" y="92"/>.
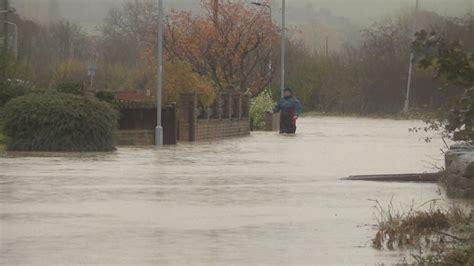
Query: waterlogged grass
<point x="459" y="255"/>
<point x="442" y="236"/>
<point x="416" y="228"/>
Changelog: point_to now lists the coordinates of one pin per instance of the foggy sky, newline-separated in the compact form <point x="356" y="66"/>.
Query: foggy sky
<point x="91" y="12"/>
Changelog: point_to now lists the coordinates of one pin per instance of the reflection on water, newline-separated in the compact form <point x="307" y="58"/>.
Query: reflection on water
<point x="263" y="199"/>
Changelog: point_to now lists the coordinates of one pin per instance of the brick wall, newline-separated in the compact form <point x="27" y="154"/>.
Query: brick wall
<point x="143" y="137"/>
<point x="227" y="118"/>
<point x="221" y="129"/>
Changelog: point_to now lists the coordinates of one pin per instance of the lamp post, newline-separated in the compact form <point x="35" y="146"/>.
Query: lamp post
<point x="270" y="63"/>
<point x="159" y="127"/>
<point x="283" y="47"/>
<point x="15" y="27"/>
<point x="7" y="10"/>
<point x="410" y="68"/>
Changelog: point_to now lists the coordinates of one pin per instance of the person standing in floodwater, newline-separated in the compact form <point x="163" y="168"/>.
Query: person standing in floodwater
<point x="289" y="108"/>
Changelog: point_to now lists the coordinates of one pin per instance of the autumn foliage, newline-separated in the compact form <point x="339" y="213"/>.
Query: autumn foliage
<point x="230" y="46"/>
<point x="180" y="78"/>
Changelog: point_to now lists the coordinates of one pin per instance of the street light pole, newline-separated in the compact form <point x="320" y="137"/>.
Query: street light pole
<point x="410" y="68"/>
<point x="283" y="47"/>
<point x="159" y="127"/>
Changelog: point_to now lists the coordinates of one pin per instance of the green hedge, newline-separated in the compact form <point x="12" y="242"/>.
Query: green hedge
<point x="59" y="122"/>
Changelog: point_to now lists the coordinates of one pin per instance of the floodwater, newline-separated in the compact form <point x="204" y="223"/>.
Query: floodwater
<point x="259" y="200"/>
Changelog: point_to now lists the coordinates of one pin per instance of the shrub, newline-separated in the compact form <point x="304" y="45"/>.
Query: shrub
<point x="70" y="87"/>
<point x="260" y="105"/>
<point x="2" y="138"/>
<point x="456" y="64"/>
<point x="105" y="96"/>
<point x="59" y="122"/>
<point x="10" y="89"/>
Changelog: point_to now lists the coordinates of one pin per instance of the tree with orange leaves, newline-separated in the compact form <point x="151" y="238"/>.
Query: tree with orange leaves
<point x="231" y="46"/>
<point x="180" y="78"/>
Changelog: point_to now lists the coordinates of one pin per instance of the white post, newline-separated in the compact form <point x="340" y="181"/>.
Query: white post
<point x="283" y="46"/>
<point x="159" y="128"/>
<point x="410" y="68"/>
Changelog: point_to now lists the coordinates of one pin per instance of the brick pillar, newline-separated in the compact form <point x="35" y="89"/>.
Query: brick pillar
<point x="188" y="117"/>
<point x="245" y="99"/>
<point x="219" y="106"/>
<point x="239" y="108"/>
<point x="230" y="106"/>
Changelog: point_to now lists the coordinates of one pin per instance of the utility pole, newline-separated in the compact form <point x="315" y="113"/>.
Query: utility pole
<point x="159" y="127"/>
<point x="283" y="47"/>
<point x="410" y="68"/>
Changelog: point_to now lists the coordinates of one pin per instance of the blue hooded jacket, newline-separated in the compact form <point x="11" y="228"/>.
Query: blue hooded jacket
<point x="288" y="102"/>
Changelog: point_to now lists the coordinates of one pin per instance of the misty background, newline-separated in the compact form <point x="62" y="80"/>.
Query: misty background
<point x="360" y="12"/>
<point x="313" y="22"/>
<point x="343" y="56"/>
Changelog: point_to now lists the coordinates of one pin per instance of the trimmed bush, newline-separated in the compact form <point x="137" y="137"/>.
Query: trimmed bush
<point x="10" y="89"/>
<point x="59" y="122"/>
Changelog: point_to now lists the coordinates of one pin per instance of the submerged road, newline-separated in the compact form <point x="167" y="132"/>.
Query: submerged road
<point x="260" y="200"/>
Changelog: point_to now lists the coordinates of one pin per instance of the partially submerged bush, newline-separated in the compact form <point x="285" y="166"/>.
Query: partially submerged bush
<point x="59" y="122"/>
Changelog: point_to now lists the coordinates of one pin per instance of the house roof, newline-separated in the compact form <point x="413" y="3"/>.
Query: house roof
<point x="133" y="96"/>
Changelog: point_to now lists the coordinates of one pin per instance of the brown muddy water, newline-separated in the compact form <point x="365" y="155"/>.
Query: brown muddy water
<point x="259" y="200"/>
